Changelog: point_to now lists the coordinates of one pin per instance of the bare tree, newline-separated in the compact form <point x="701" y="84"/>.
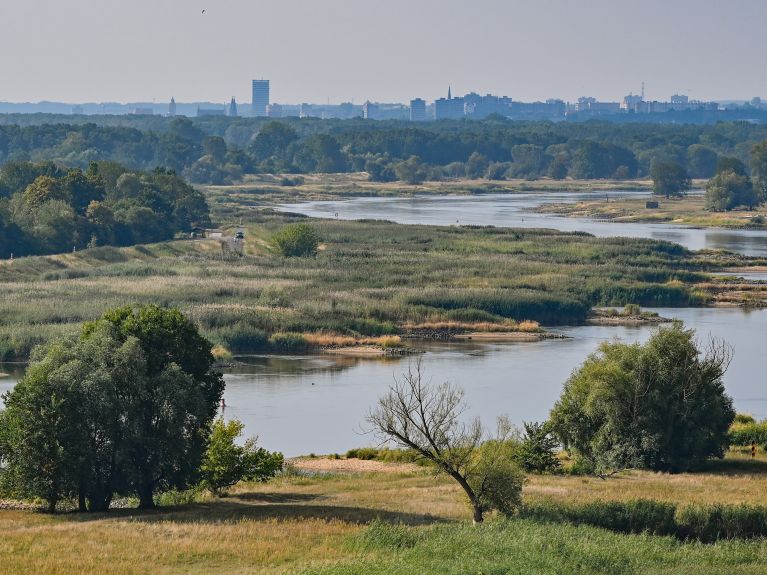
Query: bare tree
<point x="427" y="419"/>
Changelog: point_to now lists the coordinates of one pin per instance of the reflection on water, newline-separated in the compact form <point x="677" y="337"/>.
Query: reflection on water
<point x="317" y="403"/>
<point x="512" y="211"/>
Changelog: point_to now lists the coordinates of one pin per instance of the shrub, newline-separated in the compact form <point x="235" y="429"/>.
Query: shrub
<point x="226" y="463"/>
<point x="536" y="452"/>
<point x="745" y="433"/>
<point x="288" y="342"/>
<point x="241" y="337"/>
<point x="296" y="240"/>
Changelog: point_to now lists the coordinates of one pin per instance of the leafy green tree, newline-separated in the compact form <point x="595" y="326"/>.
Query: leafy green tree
<point x="411" y="171"/>
<point x="528" y="161"/>
<point x="273" y="139"/>
<point x="227" y="463"/>
<point x="759" y="169"/>
<point x="296" y="240"/>
<point x="660" y="405"/>
<point x="669" y="179"/>
<point x="476" y="166"/>
<point x="701" y="161"/>
<point x="322" y="153"/>
<point x="81" y="189"/>
<point x="537" y="450"/>
<point x="730" y="164"/>
<point x="728" y="190"/>
<point x="215" y="147"/>
<point x="176" y="403"/>
<point x="61" y="433"/>
<point x="379" y="170"/>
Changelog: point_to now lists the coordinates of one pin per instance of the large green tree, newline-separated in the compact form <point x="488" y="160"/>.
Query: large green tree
<point x="178" y="401"/>
<point x="660" y="405"/>
<point x="728" y="190"/>
<point x="126" y="408"/>
<point x="669" y="179"/>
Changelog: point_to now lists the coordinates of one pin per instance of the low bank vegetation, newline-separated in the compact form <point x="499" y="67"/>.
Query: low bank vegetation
<point x="372" y="280"/>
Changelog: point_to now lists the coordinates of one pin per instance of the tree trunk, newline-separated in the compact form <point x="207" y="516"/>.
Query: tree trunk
<point x="81" y="504"/>
<point x="146" y="498"/>
<point x="52" y="505"/>
<point x="478" y="517"/>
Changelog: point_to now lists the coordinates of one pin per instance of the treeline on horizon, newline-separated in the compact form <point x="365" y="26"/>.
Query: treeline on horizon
<point x="221" y="150"/>
<point x="46" y="209"/>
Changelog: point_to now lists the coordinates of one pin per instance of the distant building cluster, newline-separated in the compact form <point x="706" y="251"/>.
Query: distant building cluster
<point x="451" y="107"/>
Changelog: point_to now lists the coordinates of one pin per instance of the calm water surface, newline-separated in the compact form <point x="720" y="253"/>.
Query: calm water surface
<point x="317" y="404"/>
<point x="305" y="404"/>
<point x="513" y="211"/>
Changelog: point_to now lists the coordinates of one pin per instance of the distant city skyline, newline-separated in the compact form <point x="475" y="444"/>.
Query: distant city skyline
<point x="385" y="51"/>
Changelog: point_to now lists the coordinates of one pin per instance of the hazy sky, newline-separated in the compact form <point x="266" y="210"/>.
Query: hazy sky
<point x="386" y="50"/>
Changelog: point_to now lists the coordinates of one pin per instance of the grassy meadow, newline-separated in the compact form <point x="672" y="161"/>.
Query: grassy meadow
<point x="385" y="518"/>
<point x="371" y="280"/>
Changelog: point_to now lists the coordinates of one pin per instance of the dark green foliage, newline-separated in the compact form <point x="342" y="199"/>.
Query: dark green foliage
<point x="296" y="240"/>
<point x="731" y="164"/>
<point x="179" y="398"/>
<point x="669" y="179"/>
<point x="516" y="304"/>
<point x="411" y="171"/>
<point x="744" y="433"/>
<point x="59" y="211"/>
<point x="226" y="463"/>
<point x="288" y="342"/>
<point x="660" y="405"/>
<point x="536" y="452"/>
<point x="124" y="409"/>
<point x="728" y="190"/>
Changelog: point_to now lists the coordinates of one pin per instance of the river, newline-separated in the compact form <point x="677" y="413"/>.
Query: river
<point x="317" y="403"/>
<point x="514" y="211"/>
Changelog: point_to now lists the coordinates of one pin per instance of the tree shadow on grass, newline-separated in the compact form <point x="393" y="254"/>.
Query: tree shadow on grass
<point x="260" y="507"/>
<point x="734" y="466"/>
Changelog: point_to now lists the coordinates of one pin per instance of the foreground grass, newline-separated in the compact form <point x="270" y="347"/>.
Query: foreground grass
<point x="371" y="279"/>
<point x="398" y="519"/>
<point x="687" y="211"/>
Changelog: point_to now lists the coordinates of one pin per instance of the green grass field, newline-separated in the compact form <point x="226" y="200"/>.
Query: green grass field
<point x="387" y="518"/>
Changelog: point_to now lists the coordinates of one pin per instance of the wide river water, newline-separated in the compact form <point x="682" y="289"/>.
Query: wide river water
<point x="514" y="211"/>
<point x="318" y="403"/>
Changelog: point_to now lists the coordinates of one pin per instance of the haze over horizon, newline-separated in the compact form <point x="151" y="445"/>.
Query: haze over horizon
<point x="391" y="51"/>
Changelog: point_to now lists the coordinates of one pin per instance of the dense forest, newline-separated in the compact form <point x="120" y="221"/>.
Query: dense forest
<point x="219" y="149"/>
<point x="46" y="209"/>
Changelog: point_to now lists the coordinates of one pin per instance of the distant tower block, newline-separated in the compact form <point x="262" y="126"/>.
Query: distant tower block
<point x="172" y="107"/>
<point x="232" y="108"/>
<point x="417" y="110"/>
<point x="260" y="97"/>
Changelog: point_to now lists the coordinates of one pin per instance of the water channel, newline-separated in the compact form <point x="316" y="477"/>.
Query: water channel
<point x="317" y="403"/>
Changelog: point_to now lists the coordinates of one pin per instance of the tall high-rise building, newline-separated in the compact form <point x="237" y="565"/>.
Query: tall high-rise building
<point x="260" y="97"/>
<point x="232" y="108"/>
<point x="418" y="110"/>
<point x="369" y="111"/>
<point x="172" y="107"/>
